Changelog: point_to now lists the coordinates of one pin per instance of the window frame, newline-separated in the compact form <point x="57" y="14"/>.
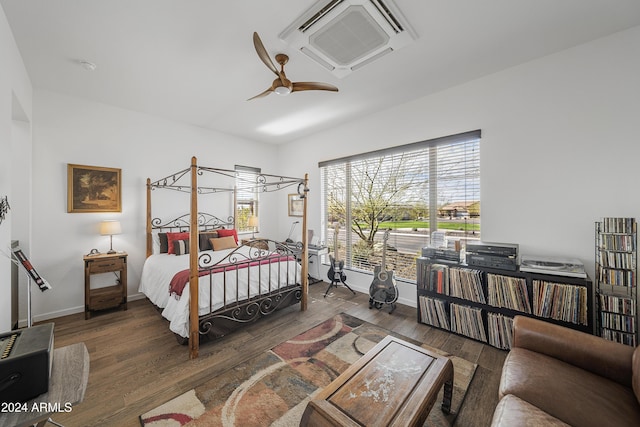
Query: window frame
<point x="465" y="140"/>
<point x="243" y="177"/>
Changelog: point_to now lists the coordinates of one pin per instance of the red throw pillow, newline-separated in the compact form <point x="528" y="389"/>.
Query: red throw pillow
<point x="223" y="232"/>
<point x="171" y="237"/>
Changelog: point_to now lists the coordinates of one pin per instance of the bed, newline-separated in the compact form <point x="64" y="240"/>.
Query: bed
<point x="209" y="285"/>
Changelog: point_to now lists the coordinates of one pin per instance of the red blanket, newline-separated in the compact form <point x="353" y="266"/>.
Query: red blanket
<point x="181" y="278"/>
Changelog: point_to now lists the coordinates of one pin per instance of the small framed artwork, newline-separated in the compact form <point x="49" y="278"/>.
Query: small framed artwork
<point x="93" y="189"/>
<point x="296" y="205"/>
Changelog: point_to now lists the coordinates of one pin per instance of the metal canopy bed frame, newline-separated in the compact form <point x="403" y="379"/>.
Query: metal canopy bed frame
<point x="232" y="315"/>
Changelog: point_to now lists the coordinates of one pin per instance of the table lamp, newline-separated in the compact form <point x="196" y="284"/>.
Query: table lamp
<point x="109" y="228"/>
<point x="253" y="222"/>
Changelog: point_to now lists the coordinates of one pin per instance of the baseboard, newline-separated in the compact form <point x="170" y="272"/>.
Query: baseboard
<point x="138" y="296"/>
<point x="411" y="302"/>
<point x="22" y="323"/>
<point x="52" y="315"/>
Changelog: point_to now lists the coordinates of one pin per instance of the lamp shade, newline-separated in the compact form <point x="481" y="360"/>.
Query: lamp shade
<point x="110" y="227"/>
<point x="253" y="221"/>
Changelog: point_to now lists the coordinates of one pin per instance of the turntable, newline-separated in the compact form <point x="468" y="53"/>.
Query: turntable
<point x="570" y="267"/>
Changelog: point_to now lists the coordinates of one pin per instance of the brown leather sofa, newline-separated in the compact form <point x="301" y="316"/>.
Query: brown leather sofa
<point x="556" y="376"/>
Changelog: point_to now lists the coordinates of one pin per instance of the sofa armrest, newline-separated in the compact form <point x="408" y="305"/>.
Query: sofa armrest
<point x="605" y="358"/>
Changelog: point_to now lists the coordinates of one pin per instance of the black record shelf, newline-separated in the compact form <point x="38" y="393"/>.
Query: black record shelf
<point x="490" y="298"/>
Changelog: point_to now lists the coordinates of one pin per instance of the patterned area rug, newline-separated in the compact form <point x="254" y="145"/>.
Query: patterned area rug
<point x="273" y="388"/>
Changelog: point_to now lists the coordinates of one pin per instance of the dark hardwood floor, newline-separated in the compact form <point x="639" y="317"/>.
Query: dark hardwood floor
<point x="137" y="364"/>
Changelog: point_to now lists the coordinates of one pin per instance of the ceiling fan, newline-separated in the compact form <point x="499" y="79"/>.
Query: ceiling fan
<point x="282" y="85"/>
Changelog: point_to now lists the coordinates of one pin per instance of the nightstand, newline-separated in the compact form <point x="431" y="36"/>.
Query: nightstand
<point x="110" y="296"/>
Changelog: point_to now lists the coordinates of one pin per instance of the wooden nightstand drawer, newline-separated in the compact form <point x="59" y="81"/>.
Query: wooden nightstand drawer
<point x="108" y="297"/>
<point x="106" y="265"/>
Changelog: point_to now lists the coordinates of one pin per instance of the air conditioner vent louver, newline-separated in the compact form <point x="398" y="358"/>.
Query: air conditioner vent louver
<point x="344" y="35"/>
<point x="386" y="13"/>
<point x="318" y="15"/>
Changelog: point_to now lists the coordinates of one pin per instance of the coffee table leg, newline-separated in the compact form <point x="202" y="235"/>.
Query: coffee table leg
<point x="446" y="399"/>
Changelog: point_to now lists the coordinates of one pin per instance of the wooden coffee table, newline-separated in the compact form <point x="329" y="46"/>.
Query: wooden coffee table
<point x="394" y="384"/>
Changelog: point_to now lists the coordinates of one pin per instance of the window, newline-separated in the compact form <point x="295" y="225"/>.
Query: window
<point x="246" y="197"/>
<point x="412" y="190"/>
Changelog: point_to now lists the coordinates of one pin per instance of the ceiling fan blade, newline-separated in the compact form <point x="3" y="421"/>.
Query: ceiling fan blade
<point x="282" y="85"/>
<point x="261" y="95"/>
<point x="262" y="53"/>
<point x="298" y="86"/>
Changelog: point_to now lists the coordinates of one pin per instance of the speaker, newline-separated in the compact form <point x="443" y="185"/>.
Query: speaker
<point x="26" y="357"/>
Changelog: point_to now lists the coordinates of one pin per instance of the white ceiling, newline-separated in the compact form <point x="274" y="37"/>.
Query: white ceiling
<point x="193" y="60"/>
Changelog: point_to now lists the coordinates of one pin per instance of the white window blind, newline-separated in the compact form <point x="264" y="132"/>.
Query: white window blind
<point x="246" y="196"/>
<point x="413" y="190"/>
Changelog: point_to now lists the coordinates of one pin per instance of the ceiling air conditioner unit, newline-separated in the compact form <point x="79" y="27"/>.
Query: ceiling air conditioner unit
<point x="344" y="35"/>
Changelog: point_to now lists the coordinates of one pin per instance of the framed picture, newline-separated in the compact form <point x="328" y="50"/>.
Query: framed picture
<point x="93" y="189"/>
<point x="296" y="205"/>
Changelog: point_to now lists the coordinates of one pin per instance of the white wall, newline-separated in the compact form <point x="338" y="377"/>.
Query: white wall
<point x="558" y="153"/>
<point x="71" y="130"/>
<point x="559" y="146"/>
<point x="15" y="103"/>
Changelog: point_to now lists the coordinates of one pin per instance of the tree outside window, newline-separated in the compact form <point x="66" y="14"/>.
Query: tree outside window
<point x="407" y="190"/>
<point x="246" y="196"/>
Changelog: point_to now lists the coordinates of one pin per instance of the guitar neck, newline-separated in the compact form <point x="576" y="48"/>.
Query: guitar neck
<point x="335" y="244"/>
<point x="383" y="266"/>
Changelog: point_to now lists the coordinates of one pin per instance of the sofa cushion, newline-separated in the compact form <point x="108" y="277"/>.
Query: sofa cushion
<point x="592" y="353"/>
<point x="515" y="412"/>
<point x="566" y="392"/>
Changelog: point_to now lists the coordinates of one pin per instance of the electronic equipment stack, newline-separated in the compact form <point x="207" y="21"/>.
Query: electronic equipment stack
<point x="449" y="256"/>
<point x="501" y="256"/>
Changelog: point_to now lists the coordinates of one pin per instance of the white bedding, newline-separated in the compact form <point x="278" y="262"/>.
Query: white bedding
<point x="157" y="272"/>
<point x="159" y="269"/>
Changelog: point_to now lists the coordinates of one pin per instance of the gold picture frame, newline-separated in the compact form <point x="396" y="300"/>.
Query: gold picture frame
<point x="296" y="205"/>
<point x="93" y="189"/>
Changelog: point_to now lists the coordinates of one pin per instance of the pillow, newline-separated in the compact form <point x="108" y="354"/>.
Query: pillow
<point x="155" y="243"/>
<point x="227" y="242"/>
<point x="223" y="232"/>
<point x="171" y="237"/>
<point x="204" y="237"/>
<point x="181" y="247"/>
<point x="164" y="244"/>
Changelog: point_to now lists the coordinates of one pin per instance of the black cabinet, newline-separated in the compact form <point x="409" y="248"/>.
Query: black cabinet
<point x="480" y="302"/>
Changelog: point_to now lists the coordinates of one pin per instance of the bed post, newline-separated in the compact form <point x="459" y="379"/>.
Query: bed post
<point x="305" y="249"/>
<point x="149" y="237"/>
<point x="194" y="338"/>
<point x="234" y="207"/>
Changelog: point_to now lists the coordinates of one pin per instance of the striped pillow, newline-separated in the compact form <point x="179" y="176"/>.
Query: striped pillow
<point x="172" y="237"/>
<point x="181" y="247"/>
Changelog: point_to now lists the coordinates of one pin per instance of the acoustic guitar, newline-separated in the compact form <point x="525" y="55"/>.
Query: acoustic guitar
<point x="383" y="289"/>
